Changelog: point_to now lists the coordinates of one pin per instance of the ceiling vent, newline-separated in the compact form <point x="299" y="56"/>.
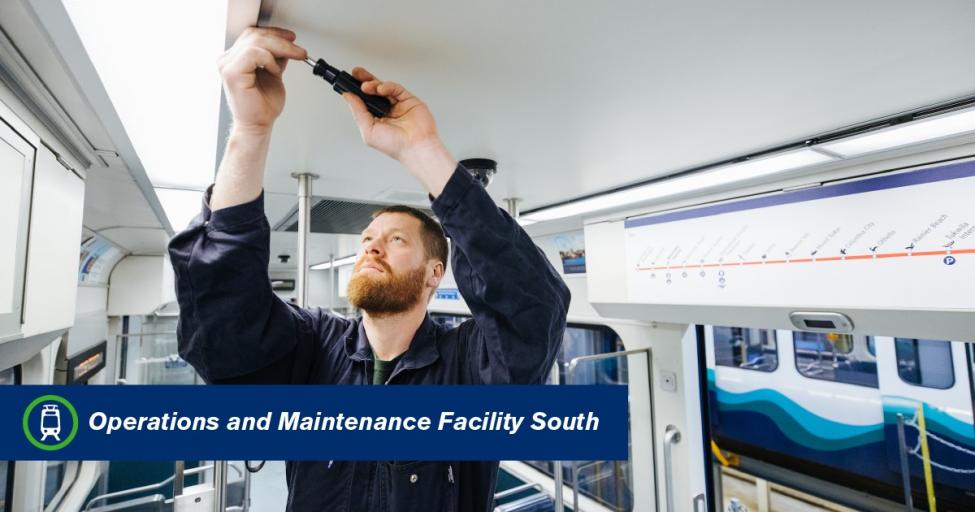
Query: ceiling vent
<point x="335" y="216"/>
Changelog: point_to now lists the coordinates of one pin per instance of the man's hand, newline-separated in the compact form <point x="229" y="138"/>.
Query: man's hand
<point x="407" y="133"/>
<point x="251" y="70"/>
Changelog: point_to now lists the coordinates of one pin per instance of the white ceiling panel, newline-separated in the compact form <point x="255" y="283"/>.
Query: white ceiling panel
<point x="574" y="98"/>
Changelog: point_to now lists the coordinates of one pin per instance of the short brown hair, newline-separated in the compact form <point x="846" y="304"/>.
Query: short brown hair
<point x="434" y="239"/>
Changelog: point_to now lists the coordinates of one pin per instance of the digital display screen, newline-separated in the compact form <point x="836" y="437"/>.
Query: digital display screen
<point x="820" y="324"/>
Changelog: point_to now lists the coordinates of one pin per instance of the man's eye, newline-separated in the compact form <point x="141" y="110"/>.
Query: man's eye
<point x="398" y="239"/>
<point x="366" y="239"/>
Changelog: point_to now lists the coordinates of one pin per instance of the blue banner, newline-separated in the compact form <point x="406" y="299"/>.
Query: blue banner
<point x="313" y="422"/>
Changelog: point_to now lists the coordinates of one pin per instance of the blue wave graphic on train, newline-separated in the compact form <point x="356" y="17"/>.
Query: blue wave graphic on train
<point x="768" y="419"/>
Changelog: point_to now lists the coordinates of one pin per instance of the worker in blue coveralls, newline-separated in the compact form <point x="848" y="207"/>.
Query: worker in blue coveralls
<point x="234" y="329"/>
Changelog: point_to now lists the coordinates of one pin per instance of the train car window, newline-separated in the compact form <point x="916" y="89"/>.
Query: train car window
<point x="751" y="349"/>
<point x="834" y="357"/>
<point x="54" y="480"/>
<point x="607" y="482"/>
<point x="925" y="363"/>
<point x="8" y="377"/>
<point x="449" y="321"/>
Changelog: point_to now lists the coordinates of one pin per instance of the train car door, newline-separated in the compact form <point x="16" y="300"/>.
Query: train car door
<point x="930" y="378"/>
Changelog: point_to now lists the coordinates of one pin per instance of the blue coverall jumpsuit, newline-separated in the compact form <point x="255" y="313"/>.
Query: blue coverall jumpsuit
<point x="234" y="329"/>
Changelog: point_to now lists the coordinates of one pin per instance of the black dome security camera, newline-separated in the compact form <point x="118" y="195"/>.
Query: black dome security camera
<point x="284" y="257"/>
<point x="483" y="169"/>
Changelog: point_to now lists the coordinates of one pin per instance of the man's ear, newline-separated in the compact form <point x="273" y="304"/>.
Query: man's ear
<point x="437" y="275"/>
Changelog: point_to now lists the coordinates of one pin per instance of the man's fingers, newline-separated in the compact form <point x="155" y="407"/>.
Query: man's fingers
<point x="249" y="60"/>
<point x="393" y="90"/>
<point x="363" y="119"/>
<point x="277" y="31"/>
<point x="279" y="47"/>
<point x="362" y="75"/>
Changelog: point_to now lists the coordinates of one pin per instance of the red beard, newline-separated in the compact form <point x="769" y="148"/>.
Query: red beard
<point x="388" y="293"/>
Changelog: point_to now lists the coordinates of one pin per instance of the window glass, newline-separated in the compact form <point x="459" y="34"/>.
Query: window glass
<point x="448" y="321"/>
<point x="607" y="482"/>
<point x="925" y="362"/>
<point x="6" y="474"/>
<point x="8" y="377"/>
<point x="55" y="477"/>
<point x="837" y="357"/>
<point x="752" y="349"/>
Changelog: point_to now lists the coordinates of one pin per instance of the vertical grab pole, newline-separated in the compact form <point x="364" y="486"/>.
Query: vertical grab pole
<point x="304" y="216"/>
<point x="178" y="468"/>
<point x="671" y="437"/>
<point x="926" y="457"/>
<point x="557" y="464"/>
<point x="905" y="468"/>
<point x="220" y="486"/>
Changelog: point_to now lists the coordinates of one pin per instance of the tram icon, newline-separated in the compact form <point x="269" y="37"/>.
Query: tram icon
<point x="50" y="422"/>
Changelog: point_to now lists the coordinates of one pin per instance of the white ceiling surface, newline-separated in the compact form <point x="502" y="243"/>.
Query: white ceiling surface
<point x="116" y="209"/>
<point x="573" y="98"/>
<point x="114" y="205"/>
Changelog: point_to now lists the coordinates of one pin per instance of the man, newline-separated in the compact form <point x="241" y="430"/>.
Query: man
<point x="233" y="329"/>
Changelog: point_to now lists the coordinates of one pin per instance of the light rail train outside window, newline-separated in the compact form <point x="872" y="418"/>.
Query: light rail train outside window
<point x="925" y="363"/>
<point x="836" y="357"/>
<point x="8" y="377"/>
<point x="750" y="349"/>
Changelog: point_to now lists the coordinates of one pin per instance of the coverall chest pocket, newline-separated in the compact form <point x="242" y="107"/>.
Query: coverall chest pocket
<point x="420" y="486"/>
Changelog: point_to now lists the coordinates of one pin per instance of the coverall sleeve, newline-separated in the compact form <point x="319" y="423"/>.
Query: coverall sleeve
<point x="517" y="299"/>
<point x="232" y="327"/>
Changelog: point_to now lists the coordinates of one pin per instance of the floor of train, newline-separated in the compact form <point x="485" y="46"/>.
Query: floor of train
<point x="754" y="494"/>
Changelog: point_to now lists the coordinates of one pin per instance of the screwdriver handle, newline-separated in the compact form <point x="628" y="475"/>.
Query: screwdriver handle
<point x="377" y="105"/>
<point x="343" y="82"/>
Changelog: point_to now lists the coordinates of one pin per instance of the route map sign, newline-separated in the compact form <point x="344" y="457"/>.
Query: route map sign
<point x="901" y="241"/>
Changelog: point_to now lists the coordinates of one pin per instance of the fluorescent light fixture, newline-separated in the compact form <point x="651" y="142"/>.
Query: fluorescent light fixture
<point x="180" y="205"/>
<point x="732" y="173"/>
<point x="914" y="132"/>
<point x="341" y="262"/>
<point x="525" y="222"/>
<point x="157" y="61"/>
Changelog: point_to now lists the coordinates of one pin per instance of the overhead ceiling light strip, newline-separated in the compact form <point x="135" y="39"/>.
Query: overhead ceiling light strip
<point x="341" y="262"/>
<point x="927" y="125"/>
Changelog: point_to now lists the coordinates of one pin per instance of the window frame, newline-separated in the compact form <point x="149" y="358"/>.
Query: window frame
<point x="775" y="338"/>
<point x="951" y="365"/>
<point x="795" y="359"/>
<point x="11" y="465"/>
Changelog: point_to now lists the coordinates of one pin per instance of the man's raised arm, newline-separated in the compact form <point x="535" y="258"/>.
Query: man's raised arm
<point x="518" y="300"/>
<point x="232" y="328"/>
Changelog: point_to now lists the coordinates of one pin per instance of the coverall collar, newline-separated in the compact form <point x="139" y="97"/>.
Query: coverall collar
<point x="421" y="352"/>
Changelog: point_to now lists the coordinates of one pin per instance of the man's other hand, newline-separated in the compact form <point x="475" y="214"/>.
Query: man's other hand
<point x="407" y="133"/>
<point x="251" y="70"/>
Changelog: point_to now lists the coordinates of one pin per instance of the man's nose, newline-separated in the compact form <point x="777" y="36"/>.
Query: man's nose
<point x="374" y="247"/>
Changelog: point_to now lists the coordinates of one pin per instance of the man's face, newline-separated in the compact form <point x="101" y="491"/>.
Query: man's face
<point x="392" y="273"/>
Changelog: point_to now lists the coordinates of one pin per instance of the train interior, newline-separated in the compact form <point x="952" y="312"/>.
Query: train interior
<point x="762" y="211"/>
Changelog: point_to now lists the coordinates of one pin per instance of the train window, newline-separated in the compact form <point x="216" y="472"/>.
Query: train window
<point x="607" y="482"/>
<point x="837" y="357"/>
<point x="752" y="349"/>
<point x="925" y="362"/>
<point x="55" y="478"/>
<point x="8" y="377"/>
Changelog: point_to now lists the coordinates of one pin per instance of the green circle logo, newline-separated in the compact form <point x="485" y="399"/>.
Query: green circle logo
<point x="50" y="424"/>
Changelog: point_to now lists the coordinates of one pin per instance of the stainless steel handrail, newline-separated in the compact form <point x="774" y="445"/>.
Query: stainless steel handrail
<point x="905" y="468"/>
<point x="671" y="437"/>
<point x="179" y="467"/>
<point x="515" y="490"/>
<point x="570" y="379"/>
<point x="557" y="464"/>
<point x="219" y="486"/>
<point x="144" y="488"/>
<point x="155" y="486"/>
